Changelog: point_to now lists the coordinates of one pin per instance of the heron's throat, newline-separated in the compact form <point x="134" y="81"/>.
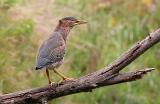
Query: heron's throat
<point x="64" y="31"/>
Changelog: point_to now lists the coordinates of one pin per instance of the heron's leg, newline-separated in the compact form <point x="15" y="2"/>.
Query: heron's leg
<point x="48" y="77"/>
<point x="61" y="75"/>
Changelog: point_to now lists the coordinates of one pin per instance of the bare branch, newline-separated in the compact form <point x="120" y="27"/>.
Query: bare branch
<point x="108" y="76"/>
<point x="126" y="77"/>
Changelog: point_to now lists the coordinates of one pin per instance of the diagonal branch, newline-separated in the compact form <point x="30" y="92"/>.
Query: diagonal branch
<point x="108" y="76"/>
<point x="127" y="77"/>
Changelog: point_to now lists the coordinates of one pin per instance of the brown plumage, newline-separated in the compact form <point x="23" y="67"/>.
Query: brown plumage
<point x="52" y="51"/>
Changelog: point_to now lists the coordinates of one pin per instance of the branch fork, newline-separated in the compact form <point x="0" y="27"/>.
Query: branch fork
<point x="109" y="75"/>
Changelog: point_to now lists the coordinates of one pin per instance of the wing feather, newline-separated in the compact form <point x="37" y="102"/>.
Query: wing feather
<point x="51" y="51"/>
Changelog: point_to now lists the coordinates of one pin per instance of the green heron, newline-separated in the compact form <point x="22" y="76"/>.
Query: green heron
<point x="51" y="52"/>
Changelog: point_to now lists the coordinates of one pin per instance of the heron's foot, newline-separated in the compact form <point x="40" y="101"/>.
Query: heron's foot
<point x="51" y="83"/>
<point x="64" y="79"/>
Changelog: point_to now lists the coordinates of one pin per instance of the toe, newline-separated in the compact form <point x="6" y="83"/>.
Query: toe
<point x="63" y="80"/>
<point x="69" y="79"/>
<point x="52" y="83"/>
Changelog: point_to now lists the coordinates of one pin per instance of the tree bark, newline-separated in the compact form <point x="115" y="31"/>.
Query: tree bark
<point x="107" y="76"/>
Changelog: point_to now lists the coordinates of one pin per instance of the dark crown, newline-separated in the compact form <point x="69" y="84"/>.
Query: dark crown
<point x="69" y="18"/>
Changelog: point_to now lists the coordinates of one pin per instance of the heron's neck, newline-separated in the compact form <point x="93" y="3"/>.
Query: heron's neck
<point x="64" y="31"/>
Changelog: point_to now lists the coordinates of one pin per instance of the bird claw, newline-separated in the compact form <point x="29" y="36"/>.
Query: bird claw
<point x="65" y="79"/>
<point x="52" y="83"/>
<point x="68" y="78"/>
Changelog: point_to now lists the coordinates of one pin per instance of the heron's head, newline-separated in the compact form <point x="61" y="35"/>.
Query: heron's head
<point x="70" y="22"/>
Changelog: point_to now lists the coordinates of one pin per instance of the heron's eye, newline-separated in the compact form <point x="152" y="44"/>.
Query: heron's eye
<point x="71" y="26"/>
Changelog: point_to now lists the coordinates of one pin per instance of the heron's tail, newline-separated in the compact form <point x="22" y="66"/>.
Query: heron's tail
<point x="37" y="68"/>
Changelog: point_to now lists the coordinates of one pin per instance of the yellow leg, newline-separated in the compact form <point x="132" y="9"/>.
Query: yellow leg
<point x="61" y="75"/>
<point x="48" y="77"/>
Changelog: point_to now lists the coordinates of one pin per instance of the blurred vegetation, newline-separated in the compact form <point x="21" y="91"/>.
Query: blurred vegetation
<point x="113" y="26"/>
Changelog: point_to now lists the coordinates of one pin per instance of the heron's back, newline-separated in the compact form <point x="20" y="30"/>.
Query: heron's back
<point x="51" y="52"/>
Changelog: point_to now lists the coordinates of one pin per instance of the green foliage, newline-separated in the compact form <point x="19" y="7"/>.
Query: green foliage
<point x="14" y="53"/>
<point x="7" y="3"/>
<point x="16" y="29"/>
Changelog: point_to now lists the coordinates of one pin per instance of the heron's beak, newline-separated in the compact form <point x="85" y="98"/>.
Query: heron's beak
<point x="80" y="22"/>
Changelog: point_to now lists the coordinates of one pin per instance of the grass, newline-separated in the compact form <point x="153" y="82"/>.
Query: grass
<point x="113" y="26"/>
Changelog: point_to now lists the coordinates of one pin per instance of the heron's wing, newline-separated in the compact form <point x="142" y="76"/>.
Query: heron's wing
<point x="51" y="51"/>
